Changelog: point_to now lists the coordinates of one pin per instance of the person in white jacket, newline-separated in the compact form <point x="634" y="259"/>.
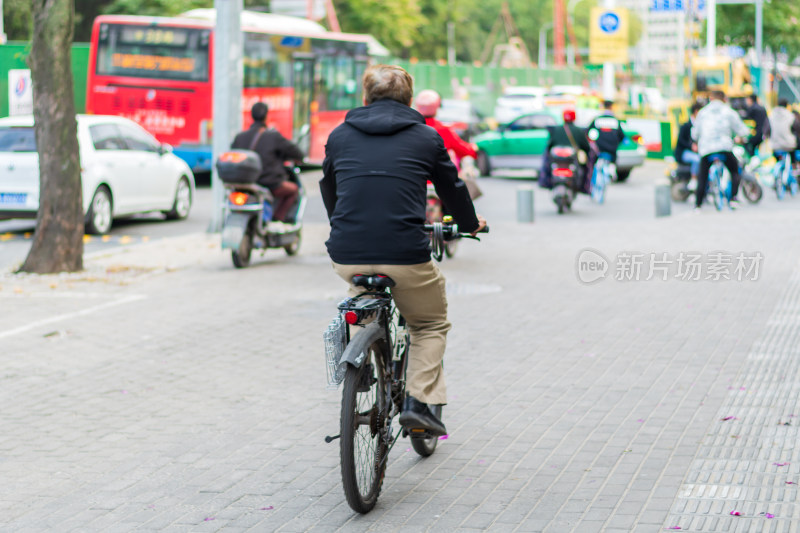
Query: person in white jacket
<point x="716" y="127"/>
<point x="783" y="125"/>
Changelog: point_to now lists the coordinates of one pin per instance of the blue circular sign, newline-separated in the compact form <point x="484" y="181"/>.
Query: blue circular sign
<point x="609" y="22"/>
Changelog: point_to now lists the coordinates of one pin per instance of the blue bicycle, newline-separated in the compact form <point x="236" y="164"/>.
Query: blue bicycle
<point x="784" y="177"/>
<point x="601" y="176"/>
<point x="719" y="182"/>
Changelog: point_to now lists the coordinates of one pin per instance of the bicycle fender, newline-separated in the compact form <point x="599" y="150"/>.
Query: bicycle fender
<point x="356" y="352"/>
<point x="233" y="229"/>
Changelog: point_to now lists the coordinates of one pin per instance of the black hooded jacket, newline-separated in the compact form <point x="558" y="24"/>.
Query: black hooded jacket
<point x="374" y="185"/>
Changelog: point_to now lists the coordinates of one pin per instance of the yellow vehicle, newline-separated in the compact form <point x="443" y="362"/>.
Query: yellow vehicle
<point x="732" y="76"/>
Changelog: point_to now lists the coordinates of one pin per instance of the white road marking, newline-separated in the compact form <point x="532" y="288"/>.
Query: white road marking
<point x="68" y="316"/>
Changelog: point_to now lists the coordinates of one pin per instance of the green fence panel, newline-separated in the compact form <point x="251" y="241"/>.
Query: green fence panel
<point x="14" y="56"/>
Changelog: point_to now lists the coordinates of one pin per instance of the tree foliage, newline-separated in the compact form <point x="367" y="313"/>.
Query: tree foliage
<point x="736" y="26"/>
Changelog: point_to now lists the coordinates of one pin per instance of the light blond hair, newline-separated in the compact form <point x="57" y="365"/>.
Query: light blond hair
<point x="387" y="81"/>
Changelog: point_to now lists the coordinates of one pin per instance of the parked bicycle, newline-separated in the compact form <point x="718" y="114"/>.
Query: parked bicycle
<point x="601" y="176"/>
<point x="783" y="175"/>
<point x="372" y="364"/>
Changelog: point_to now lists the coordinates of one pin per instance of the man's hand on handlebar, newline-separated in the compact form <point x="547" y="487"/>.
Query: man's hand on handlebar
<point x="481" y="225"/>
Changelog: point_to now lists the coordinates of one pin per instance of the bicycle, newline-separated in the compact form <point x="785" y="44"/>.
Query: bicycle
<point x="372" y="364"/>
<point x="783" y="175"/>
<point x="601" y="176"/>
<point x="719" y="182"/>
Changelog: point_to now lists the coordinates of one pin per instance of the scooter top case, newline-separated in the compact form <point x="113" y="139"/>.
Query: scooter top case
<point x="239" y="167"/>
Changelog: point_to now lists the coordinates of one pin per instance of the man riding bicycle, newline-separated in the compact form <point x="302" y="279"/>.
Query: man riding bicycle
<point x="714" y="130"/>
<point x="606" y="133"/>
<point x="377" y="164"/>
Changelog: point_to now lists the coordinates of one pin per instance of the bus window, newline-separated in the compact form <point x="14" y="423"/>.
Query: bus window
<point x="263" y="66"/>
<point x="303" y="80"/>
<point x="337" y="84"/>
<point x="163" y="52"/>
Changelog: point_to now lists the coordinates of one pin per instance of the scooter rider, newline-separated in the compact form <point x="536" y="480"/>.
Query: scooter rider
<point x="685" y="148"/>
<point x="567" y="134"/>
<point x="274" y="149"/>
<point x="375" y="172"/>
<point x="714" y="130"/>
<point x="427" y="103"/>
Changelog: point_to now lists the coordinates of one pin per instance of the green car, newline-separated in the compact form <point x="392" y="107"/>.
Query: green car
<point x="521" y="144"/>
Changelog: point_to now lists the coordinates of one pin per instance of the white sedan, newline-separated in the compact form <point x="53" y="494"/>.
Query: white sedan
<point x="124" y="170"/>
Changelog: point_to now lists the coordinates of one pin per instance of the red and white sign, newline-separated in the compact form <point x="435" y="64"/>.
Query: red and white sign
<point x="20" y="92"/>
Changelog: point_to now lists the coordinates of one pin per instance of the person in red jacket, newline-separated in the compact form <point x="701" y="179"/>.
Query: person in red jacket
<point x="427" y="103"/>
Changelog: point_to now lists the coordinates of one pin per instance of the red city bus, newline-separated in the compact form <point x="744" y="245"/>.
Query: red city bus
<point x="159" y="72"/>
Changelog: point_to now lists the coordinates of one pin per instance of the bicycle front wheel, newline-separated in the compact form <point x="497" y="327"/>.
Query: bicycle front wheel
<point x="364" y="430"/>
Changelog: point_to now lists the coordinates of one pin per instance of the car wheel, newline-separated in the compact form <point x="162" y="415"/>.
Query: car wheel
<point x="99" y="217"/>
<point x="182" y="203"/>
<point x="483" y="164"/>
<point x="623" y="175"/>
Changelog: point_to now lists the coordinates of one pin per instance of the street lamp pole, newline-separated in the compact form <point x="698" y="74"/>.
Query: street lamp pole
<point x="227" y="98"/>
<point x="543" y="43"/>
<point x="2" y="30"/>
<point x="609" y="87"/>
<point x="712" y="28"/>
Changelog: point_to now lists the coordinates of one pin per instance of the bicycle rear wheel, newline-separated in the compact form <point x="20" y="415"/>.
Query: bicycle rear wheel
<point x="780" y="184"/>
<point x="426" y="447"/>
<point x="363" y="430"/>
<point x="714" y="190"/>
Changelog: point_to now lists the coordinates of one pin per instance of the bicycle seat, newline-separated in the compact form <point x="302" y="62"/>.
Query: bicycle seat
<point x="780" y="153"/>
<point x="374" y="282"/>
<point x="717" y="157"/>
<point x="605" y="155"/>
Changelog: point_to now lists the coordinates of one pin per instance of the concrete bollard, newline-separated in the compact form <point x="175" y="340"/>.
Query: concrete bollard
<point x="663" y="200"/>
<point x="525" y="204"/>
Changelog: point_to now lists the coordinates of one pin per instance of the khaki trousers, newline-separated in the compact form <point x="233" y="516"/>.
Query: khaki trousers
<point x="420" y="296"/>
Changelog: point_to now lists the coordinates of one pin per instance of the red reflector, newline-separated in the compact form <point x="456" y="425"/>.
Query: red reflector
<point x="638" y="139"/>
<point x="563" y="152"/>
<point x="238" y="198"/>
<point x="351" y="317"/>
<point x="562" y="173"/>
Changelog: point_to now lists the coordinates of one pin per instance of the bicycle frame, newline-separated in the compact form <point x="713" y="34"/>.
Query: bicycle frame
<point x="716" y="188"/>
<point x="601" y="177"/>
<point x="783" y="175"/>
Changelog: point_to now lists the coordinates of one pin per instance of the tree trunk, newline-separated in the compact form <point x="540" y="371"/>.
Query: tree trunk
<point x="58" y="240"/>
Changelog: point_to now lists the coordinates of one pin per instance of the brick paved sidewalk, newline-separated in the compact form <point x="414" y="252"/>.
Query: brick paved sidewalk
<point x="164" y="390"/>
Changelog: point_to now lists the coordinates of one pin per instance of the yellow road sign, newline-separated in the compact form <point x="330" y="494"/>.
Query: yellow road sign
<point x="608" y="35"/>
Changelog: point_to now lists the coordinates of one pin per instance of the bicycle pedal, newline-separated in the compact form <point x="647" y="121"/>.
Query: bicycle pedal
<point x="419" y="433"/>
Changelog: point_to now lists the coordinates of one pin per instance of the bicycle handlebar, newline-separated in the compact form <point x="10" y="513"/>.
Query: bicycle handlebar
<point x="446" y="231"/>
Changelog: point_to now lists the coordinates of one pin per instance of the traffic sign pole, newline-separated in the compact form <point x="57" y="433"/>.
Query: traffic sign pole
<point x="609" y="87"/>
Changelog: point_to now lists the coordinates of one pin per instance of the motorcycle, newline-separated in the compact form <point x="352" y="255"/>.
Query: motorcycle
<point x="682" y="186"/>
<point x="566" y="173"/>
<point x="248" y="224"/>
